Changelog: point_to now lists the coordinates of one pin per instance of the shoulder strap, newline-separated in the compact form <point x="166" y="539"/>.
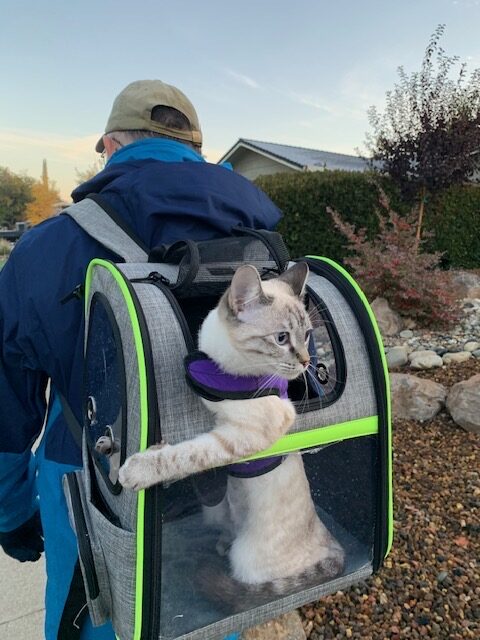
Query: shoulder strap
<point x="75" y="607"/>
<point x="105" y="226"/>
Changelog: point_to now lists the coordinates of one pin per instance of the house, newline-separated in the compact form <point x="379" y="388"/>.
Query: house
<point x="252" y="158"/>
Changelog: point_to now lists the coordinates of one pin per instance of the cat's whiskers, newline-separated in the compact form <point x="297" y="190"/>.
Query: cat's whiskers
<point x="265" y="385"/>
<point x="250" y="367"/>
<point x="304" y="400"/>
<point x="332" y="381"/>
<point x="332" y="378"/>
<point x="317" y="318"/>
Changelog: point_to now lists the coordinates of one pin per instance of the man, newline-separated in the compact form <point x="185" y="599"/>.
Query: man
<point x="161" y="187"/>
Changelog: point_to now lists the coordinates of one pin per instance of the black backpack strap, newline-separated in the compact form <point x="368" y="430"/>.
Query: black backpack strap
<point x="72" y="423"/>
<point x="75" y="609"/>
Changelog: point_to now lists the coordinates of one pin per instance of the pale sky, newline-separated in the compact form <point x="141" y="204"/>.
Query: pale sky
<point x="302" y="73"/>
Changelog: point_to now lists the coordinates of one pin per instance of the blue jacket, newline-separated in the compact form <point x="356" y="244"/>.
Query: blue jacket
<point x="41" y="338"/>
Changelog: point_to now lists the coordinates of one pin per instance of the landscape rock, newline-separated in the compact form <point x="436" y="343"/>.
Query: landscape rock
<point x="406" y="333"/>
<point x="466" y="284"/>
<point x="425" y="359"/>
<point x="420" y="353"/>
<point x="463" y="403"/>
<point x="389" y="321"/>
<point x="429" y="587"/>
<point x="471" y="346"/>
<point x="409" y="323"/>
<point x="459" y="356"/>
<point x="286" y="627"/>
<point x="416" y="398"/>
<point x="397" y="357"/>
<point x="476" y="353"/>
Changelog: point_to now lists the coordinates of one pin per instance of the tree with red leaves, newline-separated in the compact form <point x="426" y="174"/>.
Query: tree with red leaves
<point x="428" y="137"/>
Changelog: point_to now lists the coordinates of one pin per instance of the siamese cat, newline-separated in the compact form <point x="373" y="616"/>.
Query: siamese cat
<point x="272" y="534"/>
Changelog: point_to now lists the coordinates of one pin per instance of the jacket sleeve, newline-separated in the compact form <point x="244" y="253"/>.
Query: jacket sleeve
<point x="22" y="396"/>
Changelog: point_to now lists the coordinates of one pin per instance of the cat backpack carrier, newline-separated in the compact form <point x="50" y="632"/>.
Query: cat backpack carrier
<point x="145" y="555"/>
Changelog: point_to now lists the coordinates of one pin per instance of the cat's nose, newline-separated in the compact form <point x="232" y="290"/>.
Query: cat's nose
<point x="304" y="359"/>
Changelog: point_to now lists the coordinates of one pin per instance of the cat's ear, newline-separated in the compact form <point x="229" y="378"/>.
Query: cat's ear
<point x="246" y="287"/>
<point x="296" y="277"/>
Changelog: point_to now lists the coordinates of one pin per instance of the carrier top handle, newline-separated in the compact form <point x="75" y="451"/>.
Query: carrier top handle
<point x="103" y="224"/>
<point x="271" y="239"/>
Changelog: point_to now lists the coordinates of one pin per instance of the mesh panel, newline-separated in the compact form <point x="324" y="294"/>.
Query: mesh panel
<point x="207" y="268"/>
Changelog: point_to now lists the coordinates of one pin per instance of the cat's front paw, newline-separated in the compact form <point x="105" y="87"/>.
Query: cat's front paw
<point x="281" y="417"/>
<point x="289" y="415"/>
<point x="144" y="469"/>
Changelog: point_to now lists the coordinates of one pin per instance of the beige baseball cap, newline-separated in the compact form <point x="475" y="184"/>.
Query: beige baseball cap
<point x="132" y="110"/>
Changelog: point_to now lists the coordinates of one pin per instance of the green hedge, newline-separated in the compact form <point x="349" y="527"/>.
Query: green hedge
<point x="455" y="219"/>
<point x="303" y="198"/>
<point x="307" y="227"/>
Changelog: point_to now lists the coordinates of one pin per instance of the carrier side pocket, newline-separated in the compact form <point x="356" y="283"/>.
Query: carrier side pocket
<point x="118" y="548"/>
<point x="92" y="562"/>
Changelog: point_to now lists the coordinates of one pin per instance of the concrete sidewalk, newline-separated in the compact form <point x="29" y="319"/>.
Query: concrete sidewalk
<point x="22" y="608"/>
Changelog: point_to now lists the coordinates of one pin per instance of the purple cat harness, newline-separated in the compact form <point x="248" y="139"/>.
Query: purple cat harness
<point x="209" y="381"/>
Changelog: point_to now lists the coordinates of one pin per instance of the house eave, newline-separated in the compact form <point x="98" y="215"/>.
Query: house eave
<point x="271" y="156"/>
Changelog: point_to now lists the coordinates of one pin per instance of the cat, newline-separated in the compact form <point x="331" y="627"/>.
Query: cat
<point x="271" y="531"/>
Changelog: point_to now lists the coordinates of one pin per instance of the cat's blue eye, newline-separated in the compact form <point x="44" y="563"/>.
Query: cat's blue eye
<point x="282" y="337"/>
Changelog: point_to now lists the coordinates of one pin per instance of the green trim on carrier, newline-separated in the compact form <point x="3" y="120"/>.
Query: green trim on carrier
<point x="321" y="436"/>
<point x="120" y="280"/>
<point x="388" y="434"/>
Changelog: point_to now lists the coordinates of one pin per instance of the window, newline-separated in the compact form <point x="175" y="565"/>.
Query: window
<point x="324" y="381"/>
<point x="105" y="393"/>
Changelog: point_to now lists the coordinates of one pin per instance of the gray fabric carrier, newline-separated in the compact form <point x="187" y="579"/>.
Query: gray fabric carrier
<point x="140" y="552"/>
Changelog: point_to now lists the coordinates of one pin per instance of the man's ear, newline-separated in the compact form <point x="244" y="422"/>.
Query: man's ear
<point x="296" y="277"/>
<point x="246" y="287"/>
<point x="110" y="146"/>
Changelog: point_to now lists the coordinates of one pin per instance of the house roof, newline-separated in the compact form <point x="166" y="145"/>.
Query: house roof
<point x="300" y="157"/>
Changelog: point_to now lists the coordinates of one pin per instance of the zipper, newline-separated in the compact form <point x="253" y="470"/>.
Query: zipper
<point x="347" y="290"/>
<point x="83" y="537"/>
<point x="164" y="284"/>
<point x="77" y="292"/>
<point x="152" y="574"/>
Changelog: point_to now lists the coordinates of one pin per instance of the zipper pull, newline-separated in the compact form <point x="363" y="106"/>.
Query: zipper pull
<point x="76" y="293"/>
<point x="158" y="277"/>
<point x="153" y="277"/>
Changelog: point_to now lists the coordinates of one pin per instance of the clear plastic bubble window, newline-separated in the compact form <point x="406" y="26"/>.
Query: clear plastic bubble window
<point x="200" y="549"/>
<point x="105" y="395"/>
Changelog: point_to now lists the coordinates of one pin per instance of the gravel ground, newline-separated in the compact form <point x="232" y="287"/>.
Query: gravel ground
<point x="429" y="586"/>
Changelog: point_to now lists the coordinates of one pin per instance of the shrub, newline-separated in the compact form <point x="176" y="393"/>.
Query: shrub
<point x="391" y="266"/>
<point x="303" y="198"/>
<point x="455" y="215"/>
<point x="307" y="228"/>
